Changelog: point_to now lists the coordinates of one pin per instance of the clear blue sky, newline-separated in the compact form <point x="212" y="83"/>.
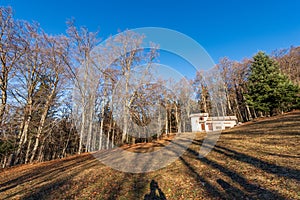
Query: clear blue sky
<point x="236" y="29"/>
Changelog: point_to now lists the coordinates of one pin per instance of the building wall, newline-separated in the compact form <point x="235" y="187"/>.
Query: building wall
<point x="195" y="124"/>
<point x="211" y="124"/>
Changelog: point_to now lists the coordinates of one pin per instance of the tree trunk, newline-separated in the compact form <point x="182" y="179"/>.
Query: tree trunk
<point x="178" y="121"/>
<point x="67" y="142"/>
<point x="94" y="136"/>
<point x="125" y="124"/>
<point x="42" y="147"/>
<point x="10" y="160"/>
<point x="107" y="141"/>
<point x="228" y="101"/>
<point x="28" y="150"/>
<point x="4" y="161"/>
<point x="101" y="127"/>
<point x="3" y="100"/>
<point x="90" y="129"/>
<point x="159" y="124"/>
<point x="166" y="122"/>
<point x="125" y="108"/>
<point x="113" y="135"/>
<point x="43" y="120"/>
<point x="24" y="130"/>
<point x="81" y="130"/>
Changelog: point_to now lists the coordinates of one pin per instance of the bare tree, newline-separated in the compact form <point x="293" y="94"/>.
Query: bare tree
<point x="127" y="48"/>
<point x="185" y="96"/>
<point x="83" y="42"/>
<point x="289" y="62"/>
<point x="28" y="79"/>
<point x="202" y="92"/>
<point x="10" y="53"/>
<point x="54" y="52"/>
<point x="225" y="67"/>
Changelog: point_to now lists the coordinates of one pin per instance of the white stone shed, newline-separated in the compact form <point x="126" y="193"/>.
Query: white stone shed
<point x="202" y="122"/>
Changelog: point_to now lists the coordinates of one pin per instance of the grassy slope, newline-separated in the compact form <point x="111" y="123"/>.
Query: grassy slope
<point x="259" y="160"/>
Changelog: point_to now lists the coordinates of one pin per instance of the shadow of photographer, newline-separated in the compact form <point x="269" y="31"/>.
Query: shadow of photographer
<point x="155" y="192"/>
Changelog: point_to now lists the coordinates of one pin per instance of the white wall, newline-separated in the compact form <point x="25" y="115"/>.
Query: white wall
<point x="217" y="123"/>
<point x="195" y="124"/>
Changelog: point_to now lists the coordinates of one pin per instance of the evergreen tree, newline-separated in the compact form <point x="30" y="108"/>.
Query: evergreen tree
<point x="268" y="89"/>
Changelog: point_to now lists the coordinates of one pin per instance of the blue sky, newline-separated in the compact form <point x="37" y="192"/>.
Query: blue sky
<point x="236" y="29"/>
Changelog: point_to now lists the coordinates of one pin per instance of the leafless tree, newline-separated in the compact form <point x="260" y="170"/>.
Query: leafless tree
<point x="54" y="51"/>
<point x="11" y="50"/>
<point x="127" y="48"/>
<point x="82" y="73"/>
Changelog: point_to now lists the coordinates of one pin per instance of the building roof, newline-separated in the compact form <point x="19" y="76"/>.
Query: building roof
<point x="225" y="118"/>
<point x="199" y="115"/>
<point x="222" y="118"/>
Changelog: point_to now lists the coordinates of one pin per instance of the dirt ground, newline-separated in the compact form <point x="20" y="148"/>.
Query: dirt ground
<point x="256" y="160"/>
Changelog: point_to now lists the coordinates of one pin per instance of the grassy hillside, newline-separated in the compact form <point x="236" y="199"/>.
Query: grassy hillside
<point x="256" y="160"/>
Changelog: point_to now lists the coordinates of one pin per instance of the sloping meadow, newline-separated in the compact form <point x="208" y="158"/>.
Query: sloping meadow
<point x="256" y="160"/>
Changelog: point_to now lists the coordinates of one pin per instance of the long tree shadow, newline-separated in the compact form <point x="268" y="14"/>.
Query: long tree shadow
<point x="139" y="184"/>
<point x="115" y="191"/>
<point x="293" y="116"/>
<point x="265" y="166"/>
<point x="280" y="155"/>
<point x="51" y="168"/>
<point x="212" y="190"/>
<point x="272" y="124"/>
<point x="268" y="167"/>
<point x="57" y="181"/>
<point x="132" y="185"/>
<point x="254" y="191"/>
<point x="231" y="191"/>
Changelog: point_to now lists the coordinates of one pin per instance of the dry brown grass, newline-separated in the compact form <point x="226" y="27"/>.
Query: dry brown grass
<point x="257" y="160"/>
<point x="149" y="147"/>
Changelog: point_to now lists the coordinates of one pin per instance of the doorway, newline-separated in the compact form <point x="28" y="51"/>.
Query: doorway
<point x="202" y="127"/>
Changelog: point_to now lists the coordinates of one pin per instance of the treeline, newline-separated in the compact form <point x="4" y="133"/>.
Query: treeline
<point x="63" y="94"/>
<point x="264" y="85"/>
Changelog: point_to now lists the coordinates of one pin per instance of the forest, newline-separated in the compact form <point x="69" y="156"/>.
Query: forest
<point x="63" y="94"/>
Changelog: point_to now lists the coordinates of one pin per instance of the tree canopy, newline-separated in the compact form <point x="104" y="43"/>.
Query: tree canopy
<point x="268" y="89"/>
